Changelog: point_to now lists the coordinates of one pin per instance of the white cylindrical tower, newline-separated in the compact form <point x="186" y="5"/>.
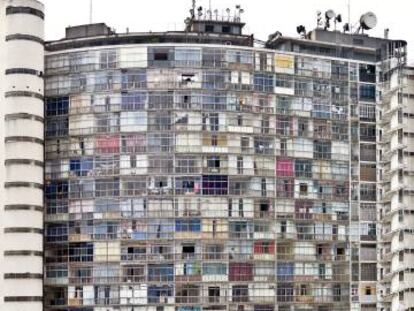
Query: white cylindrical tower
<point x="21" y="155"/>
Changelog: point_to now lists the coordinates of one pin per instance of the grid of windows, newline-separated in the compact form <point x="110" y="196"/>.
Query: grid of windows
<point x="195" y="176"/>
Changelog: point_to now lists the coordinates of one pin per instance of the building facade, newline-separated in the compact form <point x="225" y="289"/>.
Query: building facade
<point x="200" y="170"/>
<point x="21" y="155"/>
<point x="212" y="175"/>
<point x="195" y="176"/>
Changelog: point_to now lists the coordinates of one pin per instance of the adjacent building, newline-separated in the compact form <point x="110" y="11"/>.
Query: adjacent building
<point x="21" y="155"/>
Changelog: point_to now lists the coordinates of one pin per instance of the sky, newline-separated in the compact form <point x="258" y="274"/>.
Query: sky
<point x="262" y="17"/>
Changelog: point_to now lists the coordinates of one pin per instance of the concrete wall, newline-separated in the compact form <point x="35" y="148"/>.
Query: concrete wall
<point x="21" y="155"/>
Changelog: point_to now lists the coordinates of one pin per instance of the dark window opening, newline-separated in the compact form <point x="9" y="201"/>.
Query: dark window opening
<point x="209" y="28"/>
<point x="226" y="29"/>
<point x="161" y="56"/>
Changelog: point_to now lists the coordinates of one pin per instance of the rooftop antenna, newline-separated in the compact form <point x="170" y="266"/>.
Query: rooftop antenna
<point x="338" y="19"/>
<point x="200" y="12"/>
<point x="319" y="22"/>
<point x="329" y="15"/>
<point x="193" y="9"/>
<point x="90" y="11"/>
<point x="239" y="12"/>
<point x="301" y="31"/>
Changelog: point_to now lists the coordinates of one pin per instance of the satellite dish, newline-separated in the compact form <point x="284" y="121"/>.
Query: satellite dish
<point x="301" y="30"/>
<point x="330" y="14"/>
<point x="368" y="21"/>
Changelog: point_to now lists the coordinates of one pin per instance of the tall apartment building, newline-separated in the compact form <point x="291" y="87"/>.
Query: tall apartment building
<point x="21" y="155"/>
<point x="395" y="172"/>
<point x="193" y="170"/>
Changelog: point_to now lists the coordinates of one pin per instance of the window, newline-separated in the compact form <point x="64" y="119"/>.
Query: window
<point x="283" y="126"/>
<point x="303" y="188"/>
<point x="215" y="185"/>
<point x="214" y="269"/>
<point x="243" y="57"/>
<point x="106" y="187"/>
<point x="81" y="61"/>
<point x="367" y="112"/>
<point x="400" y="216"/>
<point x="104" y="81"/>
<point x="134" y="101"/>
<point x="284" y="81"/>
<point x="213" y="80"/>
<point x="57" y="106"/>
<point x="353" y="71"/>
<point x="160" y="273"/>
<point x="213" y="57"/>
<point x="213" y="294"/>
<point x="303" y="168"/>
<point x="322" y="150"/>
<point x="302" y="128"/>
<point x="214" y="140"/>
<point x="367" y="92"/>
<point x="81" y="167"/>
<point x="264" y="247"/>
<point x="284" y="61"/>
<point x="339" y="70"/>
<point x="209" y="28"/>
<point x="263" y="82"/>
<point x="245" y="144"/>
<point x="108" y="59"/>
<point x="185" y="57"/>
<point x="367" y="132"/>
<point x="240" y="271"/>
<point x="226" y="29"/>
<point x="368" y="272"/>
<point x="188" y="225"/>
<point x="240" y="293"/>
<point x="57" y="127"/>
<point x="368" y="192"/>
<point x="239" y="165"/>
<point x="160" y="56"/>
<point x="186" y="164"/>
<point x="263" y="145"/>
<point x="367" y="73"/>
<point x="134" y="79"/>
<point x="211" y="122"/>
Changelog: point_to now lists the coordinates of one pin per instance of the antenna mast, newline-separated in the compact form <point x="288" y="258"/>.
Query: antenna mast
<point x="90" y="11"/>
